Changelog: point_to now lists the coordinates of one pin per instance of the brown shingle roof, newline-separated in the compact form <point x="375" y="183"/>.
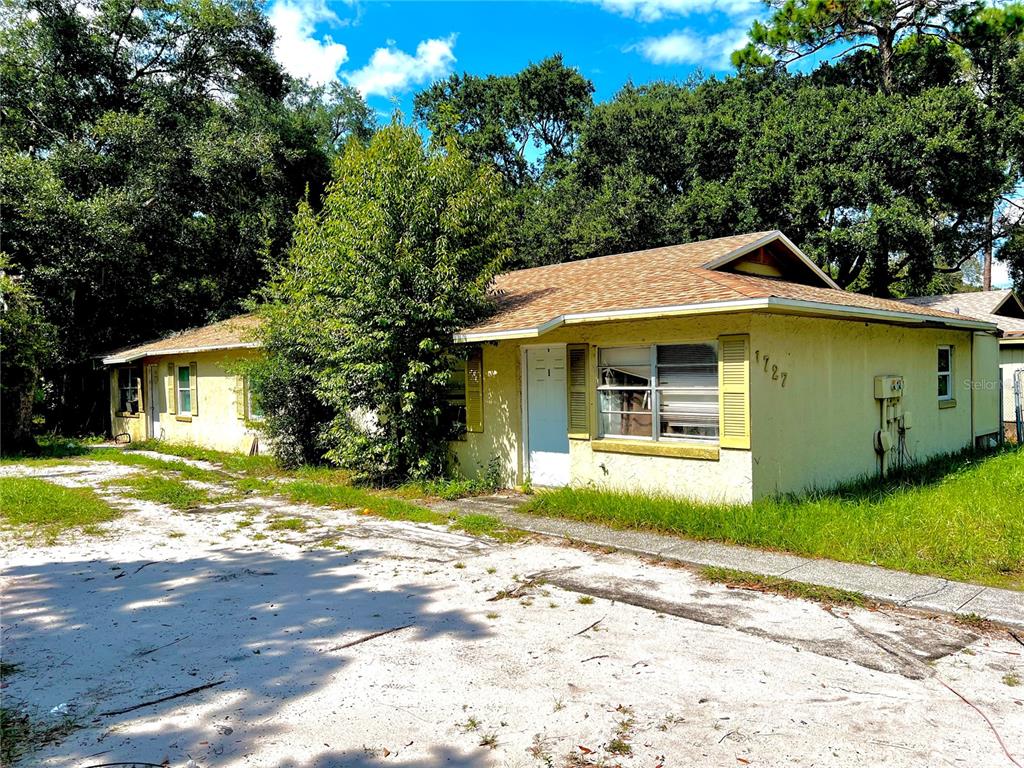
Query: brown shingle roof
<point x="981" y="305"/>
<point x="234" y="333"/>
<point x="531" y="301"/>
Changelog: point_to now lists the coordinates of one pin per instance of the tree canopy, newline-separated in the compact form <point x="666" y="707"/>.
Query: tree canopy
<point x="361" y="316"/>
<point x="151" y="157"/>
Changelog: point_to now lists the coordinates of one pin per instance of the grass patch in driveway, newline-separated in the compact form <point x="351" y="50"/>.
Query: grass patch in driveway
<point x="486" y="525"/>
<point x="784" y="587"/>
<point x="20" y="735"/>
<point x="324" y="488"/>
<point x="42" y="508"/>
<point x="259" y="466"/>
<point x="165" y="490"/>
<point x="185" y="471"/>
<point x="956" y="517"/>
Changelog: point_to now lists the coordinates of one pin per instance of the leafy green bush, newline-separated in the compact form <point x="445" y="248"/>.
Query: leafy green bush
<point x="359" y="321"/>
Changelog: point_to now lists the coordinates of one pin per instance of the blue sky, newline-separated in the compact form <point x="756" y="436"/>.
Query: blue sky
<point x="390" y="50"/>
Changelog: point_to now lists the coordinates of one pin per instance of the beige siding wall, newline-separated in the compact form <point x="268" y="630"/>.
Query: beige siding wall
<point x="817" y="430"/>
<point x="216" y="425"/>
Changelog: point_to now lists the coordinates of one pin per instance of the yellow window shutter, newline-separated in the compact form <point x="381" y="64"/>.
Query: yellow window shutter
<point x="475" y="391"/>
<point x="734" y="391"/>
<point x="172" y="390"/>
<point x="192" y="386"/>
<point x="579" y="390"/>
<point x="138" y="385"/>
<point x="240" y="397"/>
<point x="115" y="390"/>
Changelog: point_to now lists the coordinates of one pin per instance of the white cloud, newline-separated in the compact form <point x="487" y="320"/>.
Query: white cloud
<point x="653" y="10"/>
<point x="391" y="71"/>
<point x="299" y="49"/>
<point x="684" y="47"/>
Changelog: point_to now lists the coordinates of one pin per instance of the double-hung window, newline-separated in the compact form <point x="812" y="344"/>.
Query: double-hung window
<point x="128" y="389"/>
<point x="184" y="389"/>
<point x="659" y="392"/>
<point x="945" y="365"/>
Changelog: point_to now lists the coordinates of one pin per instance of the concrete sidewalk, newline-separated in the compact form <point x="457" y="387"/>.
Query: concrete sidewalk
<point x="926" y="593"/>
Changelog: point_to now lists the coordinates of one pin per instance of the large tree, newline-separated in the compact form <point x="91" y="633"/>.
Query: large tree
<point x="519" y="122"/>
<point x="907" y="47"/>
<point x="149" y="166"/>
<point x="360" y="318"/>
<point x="882" y="189"/>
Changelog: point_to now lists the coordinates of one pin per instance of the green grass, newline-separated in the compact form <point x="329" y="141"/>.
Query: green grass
<point x="957" y="517"/>
<point x="19" y="735"/>
<point x="785" y="587"/>
<point x="185" y="471"/>
<point x="166" y="490"/>
<point x="486" y="525"/>
<point x="335" y="493"/>
<point x="288" y="524"/>
<point x="35" y="506"/>
<point x="259" y="466"/>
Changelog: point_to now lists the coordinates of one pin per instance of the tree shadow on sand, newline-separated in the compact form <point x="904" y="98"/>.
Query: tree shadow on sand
<point x="96" y="637"/>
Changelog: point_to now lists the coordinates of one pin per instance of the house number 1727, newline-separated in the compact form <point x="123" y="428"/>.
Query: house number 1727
<point x="764" y="362"/>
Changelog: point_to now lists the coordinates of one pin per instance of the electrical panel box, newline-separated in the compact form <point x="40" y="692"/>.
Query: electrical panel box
<point x="888" y="387"/>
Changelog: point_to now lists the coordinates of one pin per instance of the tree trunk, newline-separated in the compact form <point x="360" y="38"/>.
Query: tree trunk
<point x="885" y="58"/>
<point x="986" y="266"/>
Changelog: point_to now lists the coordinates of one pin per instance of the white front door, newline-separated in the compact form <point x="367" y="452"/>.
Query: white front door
<point x="155" y="388"/>
<point x="546" y="417"/>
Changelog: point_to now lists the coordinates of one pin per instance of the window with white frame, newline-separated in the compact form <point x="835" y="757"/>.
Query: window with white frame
<point x="659" y="392"/>
<point x="128" y="389"/>
<point x="184" y="389"/>
<point x="945" y="365"/>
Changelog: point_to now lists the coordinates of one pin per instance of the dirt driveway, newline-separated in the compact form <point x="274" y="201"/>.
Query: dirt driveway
<point x="365" y="642"/>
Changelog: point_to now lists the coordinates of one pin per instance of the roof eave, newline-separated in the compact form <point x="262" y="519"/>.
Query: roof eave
<point x="132" y="355"/>
<point x="797" y="306"/>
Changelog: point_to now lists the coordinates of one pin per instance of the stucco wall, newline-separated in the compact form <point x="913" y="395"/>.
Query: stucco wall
<point x="215" y="426"/>
<point x="725" y="479"/>
<point x="817" y="430"/>
<point x="502" y="409"/>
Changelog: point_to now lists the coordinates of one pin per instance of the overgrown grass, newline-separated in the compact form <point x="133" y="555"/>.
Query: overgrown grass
<point x="35" y="506"/>
<point x="957" y="517"/>
<point x="486" y="525"/>
<point x="259" y="466"/>
<point x="785" y="587"/>
<point x="183" y="470"/>
<point x="166" y="490"/>
<point x="19" y="734"/>
<point x="52" y="450"/>
<point x="338" y="494"/>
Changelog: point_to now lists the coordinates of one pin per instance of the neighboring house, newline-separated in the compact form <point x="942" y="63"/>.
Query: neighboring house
<point x="723" y="370"/>
<point x="181" y="388"/>
<point x="1005" y="309"/>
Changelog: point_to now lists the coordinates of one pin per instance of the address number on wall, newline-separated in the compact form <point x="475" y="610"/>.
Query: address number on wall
<point x="763" y="362"/>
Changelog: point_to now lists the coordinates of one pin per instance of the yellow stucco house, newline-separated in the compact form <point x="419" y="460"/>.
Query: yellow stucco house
<point x="1005" y="309"/>
<point x="722" y="370"/>
<point x="181" y="388"/>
